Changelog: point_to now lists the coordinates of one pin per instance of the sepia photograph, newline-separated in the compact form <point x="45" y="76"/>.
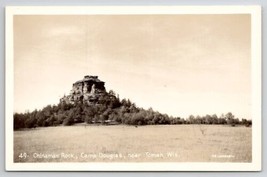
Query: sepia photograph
<point x="133" y="88"/>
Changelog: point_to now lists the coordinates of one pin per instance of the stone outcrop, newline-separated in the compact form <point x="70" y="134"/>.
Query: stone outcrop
<point x="89" y="89"/>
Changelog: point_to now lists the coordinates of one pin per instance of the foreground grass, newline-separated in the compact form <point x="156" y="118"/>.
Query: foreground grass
<point x="160" y="143"/>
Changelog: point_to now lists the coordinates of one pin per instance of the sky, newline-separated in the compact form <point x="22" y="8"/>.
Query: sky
<point x="176" y="64"/>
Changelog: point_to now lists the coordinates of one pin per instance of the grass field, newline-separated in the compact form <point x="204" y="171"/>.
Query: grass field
<point x="160" y="143"/>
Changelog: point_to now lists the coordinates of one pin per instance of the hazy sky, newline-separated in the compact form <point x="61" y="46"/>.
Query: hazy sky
<point x="176" y="64"/>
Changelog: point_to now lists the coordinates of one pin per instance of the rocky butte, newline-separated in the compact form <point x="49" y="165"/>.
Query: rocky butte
<point x="90" y="103"/>
<point x="88" y="90"/>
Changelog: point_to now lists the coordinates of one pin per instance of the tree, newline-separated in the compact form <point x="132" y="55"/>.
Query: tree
<point x="199" y="120"/>
<point x="89" y="114"/>
<point x="19" y="120"/>
<point x="230" y="118"/>
<point x="191" y="119"/>
<point x="111" y="92"/>
<point x="40" y="119"/>
<point x="30" y="122"/>
<point x="214" y="119"/>
<point x="78" y="113"/>
<point x="70" y="118"/>
<point x="208" y="119"/>
<point x="105" y="115"/>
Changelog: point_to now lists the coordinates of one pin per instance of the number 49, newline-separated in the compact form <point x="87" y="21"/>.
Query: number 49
<point x="23" y="155"/>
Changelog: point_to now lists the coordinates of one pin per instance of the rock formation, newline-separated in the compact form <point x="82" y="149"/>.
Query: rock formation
<point x="89" y="90"/>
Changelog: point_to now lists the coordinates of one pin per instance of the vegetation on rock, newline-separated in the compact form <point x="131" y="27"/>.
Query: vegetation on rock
<point x="111" y="111"/>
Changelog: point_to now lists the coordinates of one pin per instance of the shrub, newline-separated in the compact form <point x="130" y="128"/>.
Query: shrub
<point x="68" y="121"/>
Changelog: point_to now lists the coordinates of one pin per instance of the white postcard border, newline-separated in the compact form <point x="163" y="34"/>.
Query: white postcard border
<point x="255" y="12"/>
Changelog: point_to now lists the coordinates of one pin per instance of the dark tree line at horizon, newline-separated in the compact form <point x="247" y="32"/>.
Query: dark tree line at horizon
<point x="111" y="110"/>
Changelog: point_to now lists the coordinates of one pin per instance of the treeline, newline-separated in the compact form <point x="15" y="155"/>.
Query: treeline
<point x="109" y="109"/>
<point x="228" y="118"/>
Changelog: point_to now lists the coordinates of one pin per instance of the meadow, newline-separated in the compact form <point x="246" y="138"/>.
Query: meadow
<point x="122" y="143"/>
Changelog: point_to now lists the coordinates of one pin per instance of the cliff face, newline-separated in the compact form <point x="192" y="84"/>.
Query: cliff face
<point x="89" y="90"/>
